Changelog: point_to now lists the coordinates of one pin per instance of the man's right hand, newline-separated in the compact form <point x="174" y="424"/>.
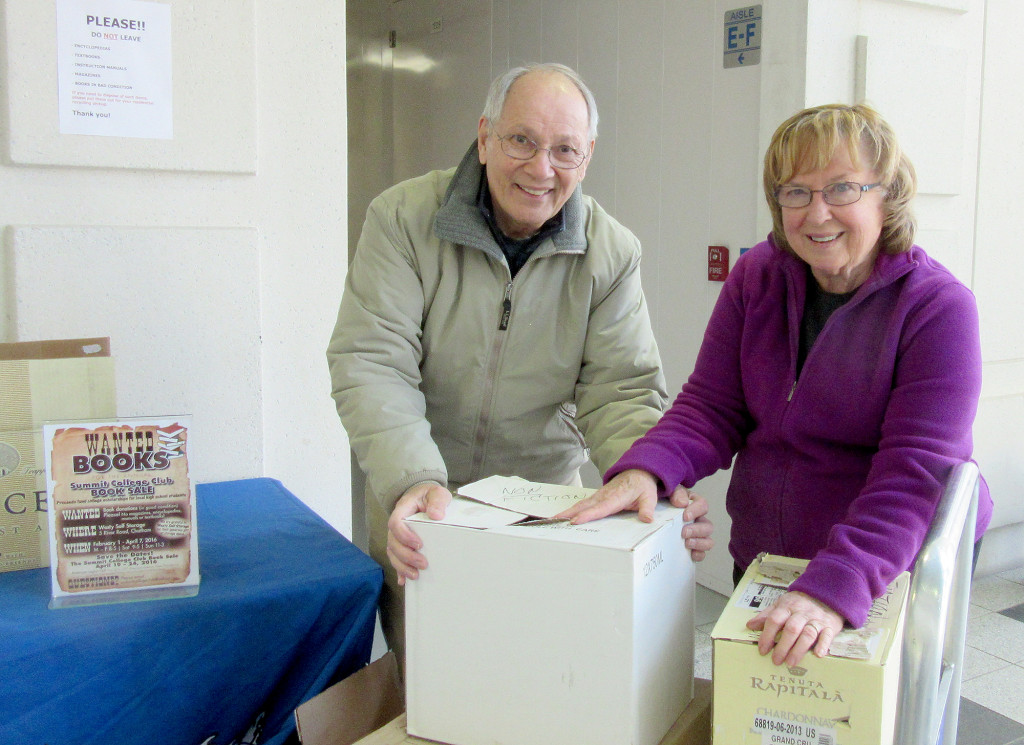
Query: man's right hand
<point x="403" y="544"/>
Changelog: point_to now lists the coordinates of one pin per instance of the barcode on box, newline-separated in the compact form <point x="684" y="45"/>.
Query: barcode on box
<point x="777" y="731"/>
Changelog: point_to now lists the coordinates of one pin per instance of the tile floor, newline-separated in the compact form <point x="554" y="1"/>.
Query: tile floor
<point x="992" y="692"/>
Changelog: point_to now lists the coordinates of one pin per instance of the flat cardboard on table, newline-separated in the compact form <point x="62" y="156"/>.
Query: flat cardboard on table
<point x="366" y="709"/>
<point x="526" y="630"/>
<point x="845" y="698"/>
<point x="39" y="381"/>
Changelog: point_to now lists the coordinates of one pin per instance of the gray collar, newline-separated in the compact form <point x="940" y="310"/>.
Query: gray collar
<point x="459" y="219"/>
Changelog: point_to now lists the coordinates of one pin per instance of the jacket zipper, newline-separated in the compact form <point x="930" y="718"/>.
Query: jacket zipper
<point x="483" y="422"/>
<point x="570" y="422"/>
<point x="506" y="308"/>
<point x="506" y="303"/>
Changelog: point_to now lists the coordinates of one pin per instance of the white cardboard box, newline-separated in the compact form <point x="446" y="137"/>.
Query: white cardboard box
<point x="535" y="632"/>
<point x="845" y="698"/>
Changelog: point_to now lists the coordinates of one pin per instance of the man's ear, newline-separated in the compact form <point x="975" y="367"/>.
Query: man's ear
<point x="482" y="132"/>
<point x="586" y="161"/>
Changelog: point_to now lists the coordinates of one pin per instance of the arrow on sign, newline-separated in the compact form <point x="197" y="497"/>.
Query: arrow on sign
<point x="741" y="58"/>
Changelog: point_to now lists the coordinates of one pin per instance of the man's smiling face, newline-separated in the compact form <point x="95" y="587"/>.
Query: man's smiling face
<point x="548" y="109"/>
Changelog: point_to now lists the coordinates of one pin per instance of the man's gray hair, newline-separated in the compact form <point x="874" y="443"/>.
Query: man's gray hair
<point x="500" y="87"/>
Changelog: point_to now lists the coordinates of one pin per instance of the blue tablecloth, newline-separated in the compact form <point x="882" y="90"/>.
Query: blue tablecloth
<point x="285" y="608"/>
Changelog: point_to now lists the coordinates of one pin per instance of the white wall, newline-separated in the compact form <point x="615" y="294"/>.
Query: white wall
<point x="299" y="207"/>
<point x="292" y="207"/>
<point x="998" y="271"/>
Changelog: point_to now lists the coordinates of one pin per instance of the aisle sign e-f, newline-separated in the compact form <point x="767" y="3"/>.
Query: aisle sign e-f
<point x="742" y="42"/>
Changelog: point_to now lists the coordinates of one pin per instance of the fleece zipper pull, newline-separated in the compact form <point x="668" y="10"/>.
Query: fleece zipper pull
<point x="506" y="308"/>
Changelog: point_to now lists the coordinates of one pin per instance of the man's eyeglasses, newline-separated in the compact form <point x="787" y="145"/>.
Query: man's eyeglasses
<point x="521" y="147"/>
<point x="838" y="195"/>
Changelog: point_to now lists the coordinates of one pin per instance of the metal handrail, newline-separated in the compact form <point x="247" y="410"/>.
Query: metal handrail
<point x="928" y="706"/>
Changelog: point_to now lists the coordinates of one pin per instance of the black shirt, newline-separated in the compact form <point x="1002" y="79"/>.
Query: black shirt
<point x="516" y="251"/>
<point x="818" y="306"/>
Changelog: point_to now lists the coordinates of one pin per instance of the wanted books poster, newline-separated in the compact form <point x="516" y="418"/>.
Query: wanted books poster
<point x="122" y="510"/>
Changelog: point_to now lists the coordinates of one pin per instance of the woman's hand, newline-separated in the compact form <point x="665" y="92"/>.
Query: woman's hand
<point x="794" y="624"/>
<point x="638" y="490"/>
<point x="630" y="490"/>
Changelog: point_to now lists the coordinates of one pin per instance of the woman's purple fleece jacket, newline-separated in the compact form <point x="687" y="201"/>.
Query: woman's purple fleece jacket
<point x="845" y="464"/>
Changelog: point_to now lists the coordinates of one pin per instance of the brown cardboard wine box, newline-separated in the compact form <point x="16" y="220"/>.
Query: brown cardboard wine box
<point x="62" y="379"/>
<point x="847" y="697"/>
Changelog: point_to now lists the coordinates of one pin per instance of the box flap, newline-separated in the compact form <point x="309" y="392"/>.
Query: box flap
<point x="514" y="506"/>
<point x="692" y="728"/>
<point x="468" y="513"/>
<point x="621" y="531"/>
<point x="348" y="711"/>
<point x="769" y="576"/>
<point x="525" y="497"/>
<point x="52" y="349"/>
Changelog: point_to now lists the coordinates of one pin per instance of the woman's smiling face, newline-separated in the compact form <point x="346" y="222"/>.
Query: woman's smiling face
<point x="840" y="243"/>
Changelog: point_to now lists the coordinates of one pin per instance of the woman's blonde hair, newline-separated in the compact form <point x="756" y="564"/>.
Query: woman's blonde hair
<point x="808" y="141"/>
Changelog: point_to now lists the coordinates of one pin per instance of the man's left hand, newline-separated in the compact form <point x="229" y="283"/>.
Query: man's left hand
<point x="698" y="528"/>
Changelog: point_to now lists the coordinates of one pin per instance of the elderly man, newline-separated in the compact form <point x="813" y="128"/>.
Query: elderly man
<point x="493" y="323"/>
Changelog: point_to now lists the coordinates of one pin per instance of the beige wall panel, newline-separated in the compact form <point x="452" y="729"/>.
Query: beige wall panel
<point x="181" y="307"/>
<point x="214" y="95"/>
<point x="999" y="264"/>
<point x="926" y="103"/>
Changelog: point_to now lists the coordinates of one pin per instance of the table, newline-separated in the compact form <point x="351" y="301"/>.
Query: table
<point x="286" y="607"/>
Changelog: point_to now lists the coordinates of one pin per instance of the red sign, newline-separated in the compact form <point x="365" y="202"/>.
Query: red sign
<point x="718" y="263"/>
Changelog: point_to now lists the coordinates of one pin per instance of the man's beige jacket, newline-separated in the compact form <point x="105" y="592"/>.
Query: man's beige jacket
<point x="446" y="369"/>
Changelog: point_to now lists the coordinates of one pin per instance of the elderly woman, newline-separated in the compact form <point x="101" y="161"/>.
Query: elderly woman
<point x="841" y="367"/>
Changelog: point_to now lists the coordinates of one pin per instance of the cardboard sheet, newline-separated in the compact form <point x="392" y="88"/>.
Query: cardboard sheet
<point x="357" y="706"/>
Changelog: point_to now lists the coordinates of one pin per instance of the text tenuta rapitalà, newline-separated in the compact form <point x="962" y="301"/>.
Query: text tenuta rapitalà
<point x="782" y="684"/>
